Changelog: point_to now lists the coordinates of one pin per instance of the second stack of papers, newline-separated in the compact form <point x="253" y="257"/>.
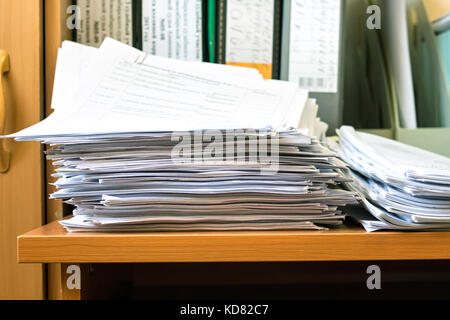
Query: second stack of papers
<point x="403" y="187"/>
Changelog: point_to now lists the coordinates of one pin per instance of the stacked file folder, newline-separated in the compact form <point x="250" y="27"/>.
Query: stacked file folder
<point x="403" y="187"/>
<point x="133" y="184"/>
<point x="144" y="143"/>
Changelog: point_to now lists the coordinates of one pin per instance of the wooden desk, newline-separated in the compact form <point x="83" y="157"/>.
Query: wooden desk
<point x="288" y="257"/>
<point x="52" y="244"/>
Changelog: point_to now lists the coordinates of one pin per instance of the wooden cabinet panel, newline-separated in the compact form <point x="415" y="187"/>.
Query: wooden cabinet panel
<point x="21" y="188"/>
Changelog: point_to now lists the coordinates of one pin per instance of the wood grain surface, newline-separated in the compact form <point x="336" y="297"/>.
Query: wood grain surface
<point x="52" y="243"/>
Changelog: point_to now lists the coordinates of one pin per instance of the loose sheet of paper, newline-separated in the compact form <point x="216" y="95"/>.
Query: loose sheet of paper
<point x="126" y="91"/>
<point x="250" y="32"/>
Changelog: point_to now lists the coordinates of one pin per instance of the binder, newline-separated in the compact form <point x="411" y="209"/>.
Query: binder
<point x="312" y="53"/>
<point x="173" y="29"/>
<point x="442" y="29"/>
<point x="248" y="35"/>
<point x="137" y="24"/>
<point x="444" y="46"/>
<point x="211" y="27"/>
<point x="366" y="90"/>
<point x="103" y="18"/>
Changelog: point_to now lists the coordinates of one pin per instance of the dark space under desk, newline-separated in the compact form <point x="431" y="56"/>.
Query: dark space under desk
<point x="234" y="265"/>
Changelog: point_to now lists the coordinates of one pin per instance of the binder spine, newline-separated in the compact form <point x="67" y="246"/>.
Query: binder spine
<point x="173" y="29"/>
<point x="102" y="18"/>
<point x="221" y="31"/>
<point x="285" y="39"/>
<point x="204" y="24"/>
<point x="277" y="39"/>
<point x="249" y="35"/>
<point x="137" y="24"/>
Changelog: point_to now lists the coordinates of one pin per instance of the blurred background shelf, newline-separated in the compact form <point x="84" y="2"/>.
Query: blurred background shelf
<point x="370" y="94"/>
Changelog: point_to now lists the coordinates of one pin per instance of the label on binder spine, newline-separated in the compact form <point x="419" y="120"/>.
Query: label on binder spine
<point x="314" y="44"/>
<point x="249" y="34"/>
<point x="172" y="29"/>
<point x="103" y="18"/>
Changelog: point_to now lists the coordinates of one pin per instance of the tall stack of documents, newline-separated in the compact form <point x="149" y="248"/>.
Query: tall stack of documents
<point x="403" y="187"/>
<point x="146" y="143"/>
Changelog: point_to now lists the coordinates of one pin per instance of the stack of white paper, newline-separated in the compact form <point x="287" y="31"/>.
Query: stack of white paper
<point x="403" y="187"/>
<point x="144" y="143"/>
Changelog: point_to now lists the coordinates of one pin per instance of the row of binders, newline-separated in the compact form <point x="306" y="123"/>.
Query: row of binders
<point x="146" y="143"/>
<point x="263" y="34"/>
<point x="298" y="41"/>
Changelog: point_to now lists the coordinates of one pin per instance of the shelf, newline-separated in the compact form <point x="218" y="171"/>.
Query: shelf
<point x="52" y="244"/>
